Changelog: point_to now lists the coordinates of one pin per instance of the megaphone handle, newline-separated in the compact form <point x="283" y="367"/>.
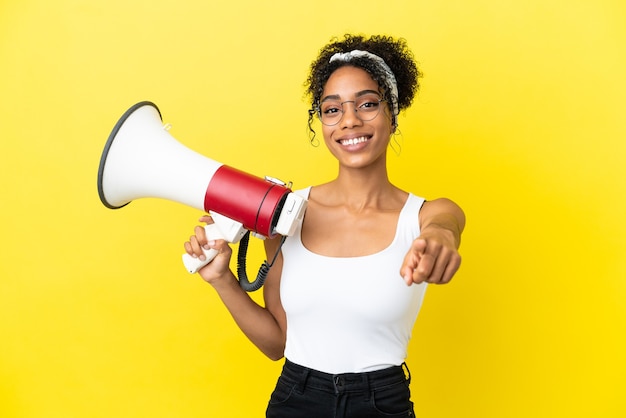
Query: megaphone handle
<point x="193" y="264"/>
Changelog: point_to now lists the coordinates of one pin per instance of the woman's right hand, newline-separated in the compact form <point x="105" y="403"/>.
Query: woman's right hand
<point x="218" y="268"/>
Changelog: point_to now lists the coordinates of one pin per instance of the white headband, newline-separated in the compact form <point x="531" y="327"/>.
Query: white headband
<point x="390" y="79"/>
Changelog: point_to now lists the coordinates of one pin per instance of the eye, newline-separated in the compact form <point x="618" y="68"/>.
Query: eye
<point x="368" y="104"/>
<point x="331" y="108"/>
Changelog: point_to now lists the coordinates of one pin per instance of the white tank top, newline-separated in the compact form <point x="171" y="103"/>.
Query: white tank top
<point x="350" y="314"/>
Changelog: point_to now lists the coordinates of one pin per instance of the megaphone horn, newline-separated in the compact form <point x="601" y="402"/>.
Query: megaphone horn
<point x="141" y="159"/>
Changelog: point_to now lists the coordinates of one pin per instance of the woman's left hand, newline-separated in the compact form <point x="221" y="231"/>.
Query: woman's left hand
<point x="433" y="258"/>
<point x="434" y="255"/>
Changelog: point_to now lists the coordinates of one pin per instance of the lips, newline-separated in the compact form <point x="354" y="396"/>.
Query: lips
<point x="353" y="141"/>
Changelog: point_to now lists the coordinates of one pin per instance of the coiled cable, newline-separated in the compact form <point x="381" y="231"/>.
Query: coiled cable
<point x="242" y="274"/>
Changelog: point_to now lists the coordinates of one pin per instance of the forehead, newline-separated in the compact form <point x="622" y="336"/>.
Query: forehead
<point x="348" y="80"/>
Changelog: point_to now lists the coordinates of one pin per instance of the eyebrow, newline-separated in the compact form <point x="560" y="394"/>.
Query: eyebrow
<point x="358" y="94"/>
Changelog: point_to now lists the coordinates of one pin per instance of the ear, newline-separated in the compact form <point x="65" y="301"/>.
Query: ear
<point x="394" y="122"/>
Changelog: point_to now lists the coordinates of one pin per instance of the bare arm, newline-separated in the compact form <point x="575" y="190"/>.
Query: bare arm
<point x="264" y="326"/>
<point x="434" y="256"/>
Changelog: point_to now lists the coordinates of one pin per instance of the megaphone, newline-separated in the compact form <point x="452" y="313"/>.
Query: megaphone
<point x="141" y="159"/>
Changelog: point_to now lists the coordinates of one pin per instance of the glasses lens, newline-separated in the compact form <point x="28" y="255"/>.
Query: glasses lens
<point x="366" y="108"/>
<point x="330" y="112"/>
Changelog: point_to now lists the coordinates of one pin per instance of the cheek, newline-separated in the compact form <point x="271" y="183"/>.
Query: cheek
<point x="389" y="119"/>
<point x="385" y="127"/>
<point x="327" y="132"/>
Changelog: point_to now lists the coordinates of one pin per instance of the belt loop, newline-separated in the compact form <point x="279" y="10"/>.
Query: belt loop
<point x="338" y="383"/>
<point x="407" y="375"/>
<point x="368" y="392"/>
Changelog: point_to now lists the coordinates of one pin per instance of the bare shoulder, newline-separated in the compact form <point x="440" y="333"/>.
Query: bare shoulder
<point x="441" y="207"/>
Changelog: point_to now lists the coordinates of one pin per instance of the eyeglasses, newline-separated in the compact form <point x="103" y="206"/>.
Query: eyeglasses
<point x="366" y="108"/>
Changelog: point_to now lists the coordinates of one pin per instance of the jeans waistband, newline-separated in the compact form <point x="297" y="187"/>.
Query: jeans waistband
<point x="345" y="382"/>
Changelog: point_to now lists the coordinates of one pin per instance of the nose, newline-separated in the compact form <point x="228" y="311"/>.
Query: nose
<point x="350" y="116"/>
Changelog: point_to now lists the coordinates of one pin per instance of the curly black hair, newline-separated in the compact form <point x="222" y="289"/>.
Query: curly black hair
<point x="394" y="52"/>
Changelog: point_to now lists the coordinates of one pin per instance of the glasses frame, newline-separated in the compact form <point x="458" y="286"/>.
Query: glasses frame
<point x="318" y="112"/>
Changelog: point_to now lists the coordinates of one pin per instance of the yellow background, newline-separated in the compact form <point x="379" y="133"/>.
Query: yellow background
<point x="521" y="120"/>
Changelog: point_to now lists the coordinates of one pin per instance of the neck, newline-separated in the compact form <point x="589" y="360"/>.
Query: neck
<point x="361" y="189"/>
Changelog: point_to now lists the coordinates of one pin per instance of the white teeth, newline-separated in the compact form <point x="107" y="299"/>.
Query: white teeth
<point x="353" y="141"/>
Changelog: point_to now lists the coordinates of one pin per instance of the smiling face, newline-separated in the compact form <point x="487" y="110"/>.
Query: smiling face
<point x="354" y="142"/>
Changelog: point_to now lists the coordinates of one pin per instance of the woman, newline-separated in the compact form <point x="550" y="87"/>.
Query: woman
<point x="345" y="290"/>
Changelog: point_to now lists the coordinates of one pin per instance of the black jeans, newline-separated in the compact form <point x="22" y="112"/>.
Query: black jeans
<point x="305" y="393"/>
